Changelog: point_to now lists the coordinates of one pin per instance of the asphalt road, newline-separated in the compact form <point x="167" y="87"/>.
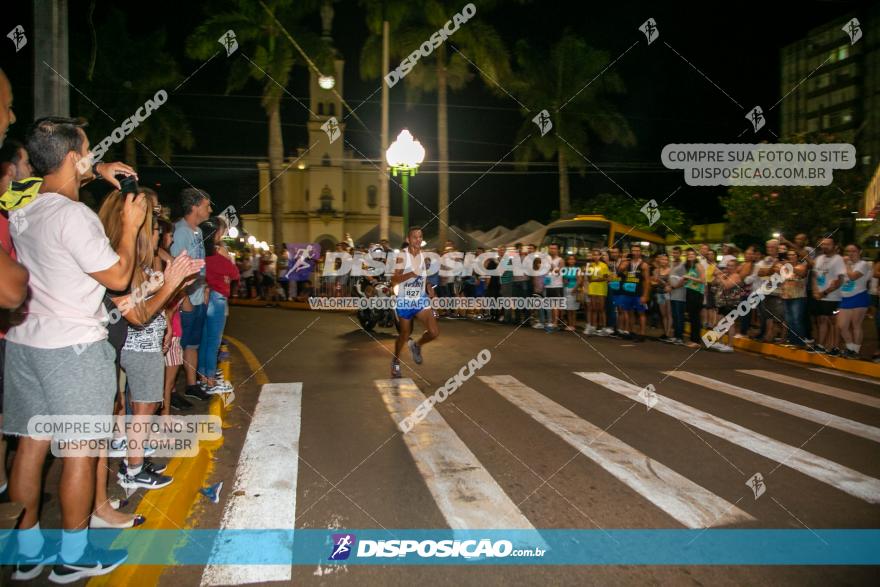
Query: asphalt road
<point x="356" y="470"/>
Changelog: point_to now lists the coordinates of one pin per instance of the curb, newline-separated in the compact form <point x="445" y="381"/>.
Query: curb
<point x="171" y="507"/>
<point x="820" y="360"/>
<point x="855" y="366"/>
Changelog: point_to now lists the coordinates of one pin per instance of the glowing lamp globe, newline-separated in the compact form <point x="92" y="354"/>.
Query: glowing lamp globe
<point x="326" y="82"/>
<point x="405" y="152"/>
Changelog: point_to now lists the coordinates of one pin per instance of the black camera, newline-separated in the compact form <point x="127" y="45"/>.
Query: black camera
<point x="128" y="185"/>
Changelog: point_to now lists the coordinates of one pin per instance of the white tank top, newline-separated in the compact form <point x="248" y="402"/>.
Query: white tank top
<point x="413" y="288"/>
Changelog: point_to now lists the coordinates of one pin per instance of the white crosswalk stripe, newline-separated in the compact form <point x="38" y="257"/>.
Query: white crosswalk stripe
<point x="843" y="478"/>
<point x="466" y="494"/>
<point x="845" y="375"/>
<point x="690" y="504"/>
<point x="264" y="493"/>
<point x="804" y="412"/>
<point x="850" y="396"/>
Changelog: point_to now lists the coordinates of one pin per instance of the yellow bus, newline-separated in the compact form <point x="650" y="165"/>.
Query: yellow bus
<point x="579" y="235"/>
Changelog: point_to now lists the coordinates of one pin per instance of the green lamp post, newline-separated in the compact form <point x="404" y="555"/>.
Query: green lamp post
<point x="404" y="156"/>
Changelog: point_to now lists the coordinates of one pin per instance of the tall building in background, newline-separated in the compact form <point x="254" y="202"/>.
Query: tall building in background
<point x="841" y="94"/>
<point x="328" y="190"/>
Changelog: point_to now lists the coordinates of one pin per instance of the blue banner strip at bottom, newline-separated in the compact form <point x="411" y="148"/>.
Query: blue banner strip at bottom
<point x="481" y="547"/>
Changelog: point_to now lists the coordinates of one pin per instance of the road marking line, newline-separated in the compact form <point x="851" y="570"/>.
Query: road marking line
<point x="804" y="412"/>
<point x="850" y="396"/>
<point x="678" y="496"/>
<point x="467" y="495"/>
<point x="834" y="474"/>
<point x="847" y="375"/>
<point x="268" y="467"/>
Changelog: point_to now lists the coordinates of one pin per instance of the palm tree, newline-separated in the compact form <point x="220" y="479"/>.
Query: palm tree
<point x="448" y="67"/>
<point x="144" y="68"/>
<point x="567" y="81"/>
<point x="267" y="56"/>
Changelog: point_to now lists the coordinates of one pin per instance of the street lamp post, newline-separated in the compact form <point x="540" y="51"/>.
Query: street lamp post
<point x="404" y="156"/>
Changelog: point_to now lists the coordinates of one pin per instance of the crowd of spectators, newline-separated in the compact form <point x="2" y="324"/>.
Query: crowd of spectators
<point x="99" y="311"/>
<point x="784" y="292"/>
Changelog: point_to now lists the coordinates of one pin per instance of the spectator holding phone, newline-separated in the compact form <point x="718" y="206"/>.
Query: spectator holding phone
<point x="72" y="263"/>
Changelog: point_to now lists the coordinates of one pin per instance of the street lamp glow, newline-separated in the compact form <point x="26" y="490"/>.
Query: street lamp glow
<point x="326" y="82"/>
<point x="405" y="152"/>
<point x="232" y="232"/>
<point x="775" y="235"/>
<point x="252" y="240"/>
<point x="264" y="245"/>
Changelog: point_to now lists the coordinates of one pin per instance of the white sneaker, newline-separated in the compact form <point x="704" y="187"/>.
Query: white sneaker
<point x="220" y="386"/>
<point x="587" y="329"/>
<point x="538" y="325"/>
<point x="607" y="331"/>
<point x="118" y="447"/>
<point x="722" y="348"/>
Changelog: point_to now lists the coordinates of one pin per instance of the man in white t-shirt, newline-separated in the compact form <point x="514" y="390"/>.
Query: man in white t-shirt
<point x="58" y="360"/>
<point x="553" y="284"/>
<point x="828" y="275"/>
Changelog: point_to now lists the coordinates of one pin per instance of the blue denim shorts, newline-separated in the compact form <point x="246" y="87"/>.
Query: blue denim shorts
<point x="192" y="324"/>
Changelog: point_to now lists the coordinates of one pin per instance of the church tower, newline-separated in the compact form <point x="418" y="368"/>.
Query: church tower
<point x="329" y="192"/>
<point x="326" y="153"/>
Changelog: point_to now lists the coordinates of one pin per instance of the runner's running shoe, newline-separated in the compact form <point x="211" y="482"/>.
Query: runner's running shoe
<point x="416" y="351"/>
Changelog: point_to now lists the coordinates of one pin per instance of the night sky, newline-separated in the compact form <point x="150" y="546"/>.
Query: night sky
<point x="736" y="45"/>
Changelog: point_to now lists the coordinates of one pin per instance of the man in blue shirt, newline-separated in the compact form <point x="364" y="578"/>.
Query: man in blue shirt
<point x="196" y="206"/>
